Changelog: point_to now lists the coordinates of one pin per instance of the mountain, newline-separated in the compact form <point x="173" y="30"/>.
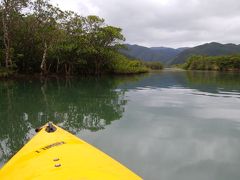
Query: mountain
<point x="170" y="56"/>
<point x="161" y="54"/>
<point x="209" y="49"/>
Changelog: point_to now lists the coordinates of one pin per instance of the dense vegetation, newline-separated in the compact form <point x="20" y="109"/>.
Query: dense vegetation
<point x="216" y="63"/>
<point x="153" y="65"/>
<point x="125" y="66"/>
<point x="37" y="37"/>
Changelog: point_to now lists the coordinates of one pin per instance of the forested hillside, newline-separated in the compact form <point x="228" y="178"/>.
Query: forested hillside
<point x="160" y="54"/>
<point x="209" y="49"/>
<point x="170" y="56"/>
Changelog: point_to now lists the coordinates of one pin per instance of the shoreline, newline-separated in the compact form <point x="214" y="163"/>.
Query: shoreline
<point x="38" y="76"/>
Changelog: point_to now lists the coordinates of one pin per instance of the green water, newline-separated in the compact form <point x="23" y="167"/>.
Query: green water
<point x="168" y="126"/>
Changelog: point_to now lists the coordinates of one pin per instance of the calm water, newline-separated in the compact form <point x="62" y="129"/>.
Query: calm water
<point x="168" y="126"/>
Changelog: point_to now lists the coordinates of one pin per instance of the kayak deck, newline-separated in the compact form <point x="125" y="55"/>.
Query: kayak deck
<point x="61" y="155"/>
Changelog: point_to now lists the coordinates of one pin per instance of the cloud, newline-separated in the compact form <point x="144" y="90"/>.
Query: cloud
<point x="172" y="23"/>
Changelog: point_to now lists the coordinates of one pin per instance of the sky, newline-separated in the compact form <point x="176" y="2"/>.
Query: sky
<point x="169" y="23"/>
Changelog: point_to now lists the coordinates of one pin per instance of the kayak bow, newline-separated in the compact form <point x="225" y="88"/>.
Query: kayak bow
<point x="53" y="153"/>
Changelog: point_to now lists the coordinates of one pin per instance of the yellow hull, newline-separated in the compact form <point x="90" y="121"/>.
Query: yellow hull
<point x="61" y="155"/>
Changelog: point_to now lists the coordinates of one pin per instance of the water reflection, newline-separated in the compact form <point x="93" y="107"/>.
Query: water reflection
<point x="168" y="126"/>
<point x="170" y="133"/>
<point x="224" y="84"/>
<point x="75" y="104"/>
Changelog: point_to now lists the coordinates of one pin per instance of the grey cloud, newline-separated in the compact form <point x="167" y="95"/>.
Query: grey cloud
<point x="170" y="22"/>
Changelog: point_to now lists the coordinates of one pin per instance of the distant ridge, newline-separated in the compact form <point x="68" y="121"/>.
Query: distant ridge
<point x="209" y="49"/>
<point x="171" y="56"/>
<point x="161" y="54"/>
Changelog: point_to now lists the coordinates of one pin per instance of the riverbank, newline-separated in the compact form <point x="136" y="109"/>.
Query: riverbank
<point x="120" y="66"/>
<point x="38" y="76"/>
<point x="213" y="63"/>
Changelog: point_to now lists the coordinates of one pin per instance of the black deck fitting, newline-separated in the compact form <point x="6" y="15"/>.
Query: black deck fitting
<point x="50" y="128"/>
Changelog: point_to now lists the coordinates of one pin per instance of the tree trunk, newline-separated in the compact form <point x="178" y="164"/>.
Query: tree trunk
<point x="67" y="69"/>
<point x="6" y="36"/>
<point x="97" y="66"/>
<point x="57" y="70"/>
<point x="65" y="65"/>
<point x="44" y="60"/>
<point x="49" y="67"/>
<point x="45" y="99"/>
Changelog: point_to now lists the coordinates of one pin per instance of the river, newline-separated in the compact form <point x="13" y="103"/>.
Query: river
<point x="173" y="125"/>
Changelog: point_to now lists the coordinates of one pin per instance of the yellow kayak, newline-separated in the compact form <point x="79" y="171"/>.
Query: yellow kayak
<point x="53" y="153"/>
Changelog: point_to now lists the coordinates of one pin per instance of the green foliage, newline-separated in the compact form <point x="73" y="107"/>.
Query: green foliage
<point x="153" y="65"/>
<point x="122" y="65"/>
<point x="49" y="40"/>
<point x="216" y="63"/>
<point x="4" y="72"/>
